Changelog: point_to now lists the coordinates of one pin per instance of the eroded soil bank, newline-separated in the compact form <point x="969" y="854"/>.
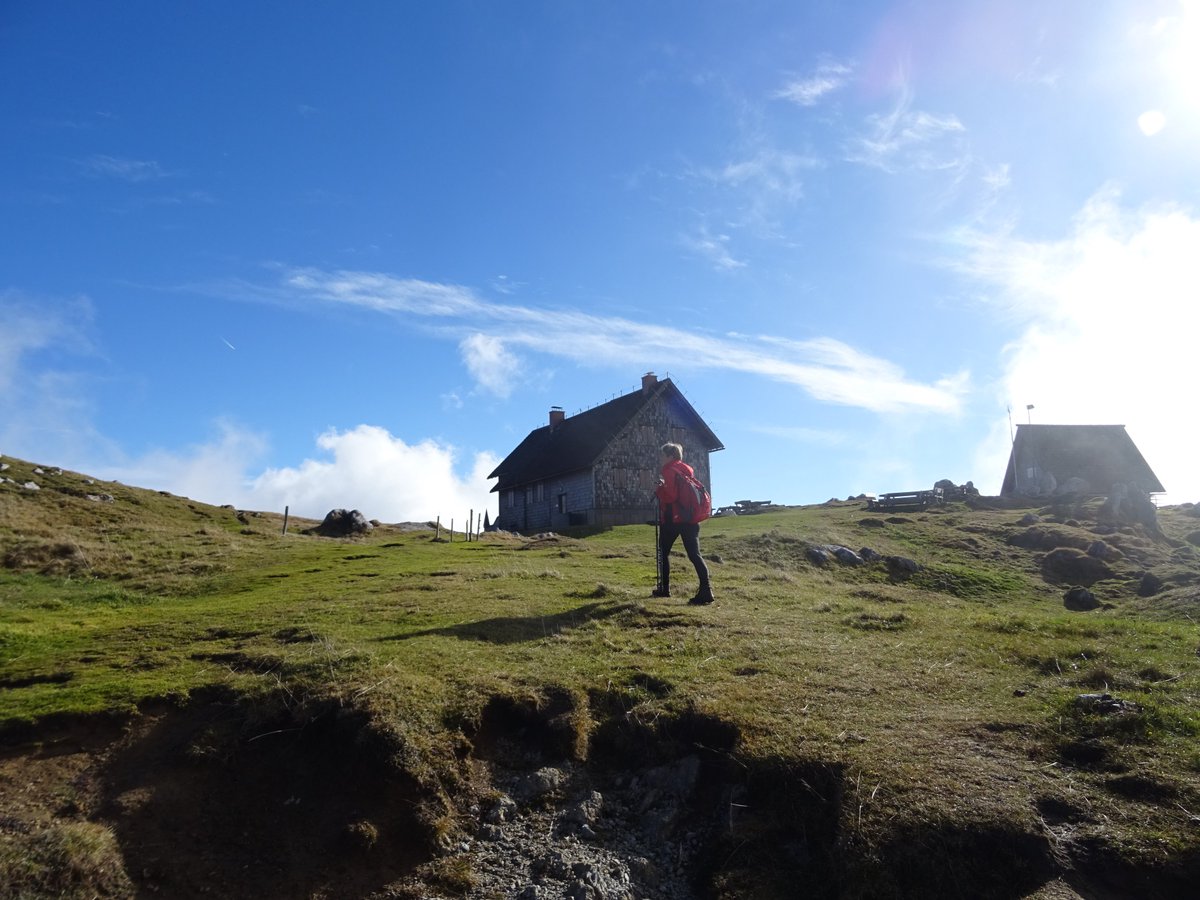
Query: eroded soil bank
<point x="547" y="795"/>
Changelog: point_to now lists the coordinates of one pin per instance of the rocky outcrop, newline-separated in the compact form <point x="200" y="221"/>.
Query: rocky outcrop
<point x="342" y="523"/>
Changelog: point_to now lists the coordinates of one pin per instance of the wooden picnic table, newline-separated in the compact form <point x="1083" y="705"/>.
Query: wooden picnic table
<point x="907" y="499"/>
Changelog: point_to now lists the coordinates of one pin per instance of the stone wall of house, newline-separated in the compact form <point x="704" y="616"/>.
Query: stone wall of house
<point x="626" y="473"/>
<point x="548" y="505"/>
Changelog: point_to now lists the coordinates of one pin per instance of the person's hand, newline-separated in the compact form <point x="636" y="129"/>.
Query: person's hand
<point x="661" y="481"/>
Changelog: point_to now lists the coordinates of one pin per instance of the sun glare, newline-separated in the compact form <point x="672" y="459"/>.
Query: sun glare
<point x="1151" y="122"/>
<point x="1181" y="52"/>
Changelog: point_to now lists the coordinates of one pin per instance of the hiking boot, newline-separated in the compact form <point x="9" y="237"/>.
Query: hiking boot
<point x="703" y="598"/>
<point x="660" y="592"/>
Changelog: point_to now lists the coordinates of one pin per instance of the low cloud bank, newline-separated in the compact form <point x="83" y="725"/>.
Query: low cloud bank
<point x="364" y="468"/>
<point x="375" y="472"/>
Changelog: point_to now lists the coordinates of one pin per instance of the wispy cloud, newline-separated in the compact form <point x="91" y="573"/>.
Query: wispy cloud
<point x="907" y="139"/>
<point x="32" y="325"/>
<point x="1108" y="320"/>
<point x="808" y="91"/>
<point x="44" y="406"/>
<point x="800" y="435"/>
<point x="829" y="370"/>
<point x="712" y="247"/>
<point x="755" y="191"/>
<point x="133" y="170"/>
<point x="768" y="171"/>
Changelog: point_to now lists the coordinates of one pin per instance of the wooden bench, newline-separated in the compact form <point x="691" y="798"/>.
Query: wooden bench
<point x="907" y="499"/>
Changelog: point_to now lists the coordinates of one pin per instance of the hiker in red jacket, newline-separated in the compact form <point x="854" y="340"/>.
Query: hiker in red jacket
<point x="671" y="526"/>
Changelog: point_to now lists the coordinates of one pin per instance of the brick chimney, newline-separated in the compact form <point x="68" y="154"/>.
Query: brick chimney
<point x="556" y="416"/>
<point x="649" y="380"/>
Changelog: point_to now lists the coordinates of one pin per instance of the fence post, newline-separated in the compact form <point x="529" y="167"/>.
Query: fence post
<point x="438" y="536"/>
<point x="285" y="515"/>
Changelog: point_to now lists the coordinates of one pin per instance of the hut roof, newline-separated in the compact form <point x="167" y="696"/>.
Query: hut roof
<point x="577" y="441"/>
<point x="1102" y="455"/>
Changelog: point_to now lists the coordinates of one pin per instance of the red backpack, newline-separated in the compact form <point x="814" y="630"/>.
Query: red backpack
<point x="692" y="499"/>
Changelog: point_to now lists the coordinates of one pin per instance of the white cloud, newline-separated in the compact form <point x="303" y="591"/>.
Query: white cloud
<point x="386" y="293"/>
<point x="364" y="468"/>
<point x="382" y="476"/>
<point x="808" y="91"/>
<point x="837" y="373"/>
<point x="1110" y="317"/>
<point x="829" y="370"/>
<point x="49" y="408"/>
<point x="490" y="363"/>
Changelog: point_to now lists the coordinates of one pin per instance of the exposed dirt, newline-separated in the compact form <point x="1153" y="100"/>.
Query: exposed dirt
<point x="199" y="807"/>
<point x="560" y="796"/>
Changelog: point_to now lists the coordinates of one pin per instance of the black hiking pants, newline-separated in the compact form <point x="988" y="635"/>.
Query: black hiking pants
<point x="691" y="543"/>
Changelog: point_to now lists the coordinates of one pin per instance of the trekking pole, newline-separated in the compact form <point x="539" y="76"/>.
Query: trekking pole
<point x="658" y="579"/>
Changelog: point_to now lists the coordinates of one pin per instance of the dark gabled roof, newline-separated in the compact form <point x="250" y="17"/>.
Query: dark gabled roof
<point x="1103" y="455"/>
<point x="577" y="441"/>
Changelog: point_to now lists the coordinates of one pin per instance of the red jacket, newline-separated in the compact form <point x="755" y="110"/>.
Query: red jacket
<point x="667" y="491"/>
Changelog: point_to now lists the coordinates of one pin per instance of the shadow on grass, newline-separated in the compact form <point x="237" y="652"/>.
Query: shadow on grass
<point x="517" y="629"/>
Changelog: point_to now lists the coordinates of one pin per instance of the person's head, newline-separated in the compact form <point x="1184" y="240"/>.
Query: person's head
<point x="671" y="451"/>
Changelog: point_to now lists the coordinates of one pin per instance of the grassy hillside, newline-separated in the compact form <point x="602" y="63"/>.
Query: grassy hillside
<point x="864" y="731"/>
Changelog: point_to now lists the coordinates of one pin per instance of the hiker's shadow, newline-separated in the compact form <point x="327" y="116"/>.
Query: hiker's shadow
<point x="518" y="629"/>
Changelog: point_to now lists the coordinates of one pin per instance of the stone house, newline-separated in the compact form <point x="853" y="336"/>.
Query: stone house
<point x="1087" y="460"/>
<point x="599" y="467"/>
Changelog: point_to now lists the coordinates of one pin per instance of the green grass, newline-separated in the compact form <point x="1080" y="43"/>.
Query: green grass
<point x="944" y="700"/>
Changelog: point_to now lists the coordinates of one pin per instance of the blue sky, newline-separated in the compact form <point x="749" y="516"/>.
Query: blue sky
<point x="348" y="255"/>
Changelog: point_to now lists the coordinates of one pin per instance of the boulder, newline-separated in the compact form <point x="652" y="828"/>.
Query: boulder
<point x="1048" y="537"/>
<point x="1080" y="599"/>
<point x="901" y="566"/>
<point x="1127" y="504"/>
<point x="342" y="523"/>
<point x="1105" y="704"/>
<point x="1150" y="585"/>
<point x="818" y="556"/>
<point x="1070" y="566"/>
<point x="846" y="556"/>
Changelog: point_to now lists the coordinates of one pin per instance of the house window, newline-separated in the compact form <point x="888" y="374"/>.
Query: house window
<point x="562" y="503"/>
<point x="512" y="499"/>
<point x="539" y="492"/>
